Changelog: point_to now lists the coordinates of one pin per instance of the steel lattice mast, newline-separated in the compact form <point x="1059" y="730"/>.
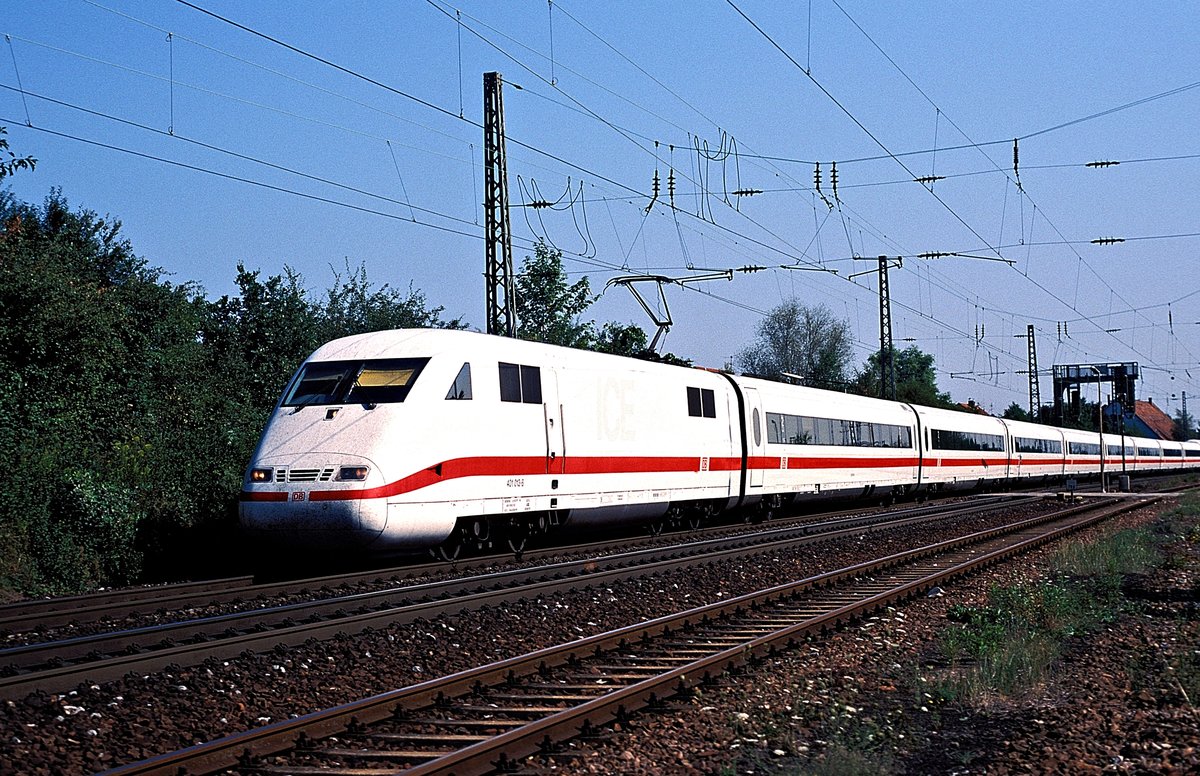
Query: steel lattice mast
<point x="498" y="272"/>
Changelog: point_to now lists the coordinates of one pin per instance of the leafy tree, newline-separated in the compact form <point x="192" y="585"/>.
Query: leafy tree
<point x="262" y="334"/>
<point x="1016" y="412"/>
<point x="795" y="339"/>
<point x="548" y="309"/>
<point x="916" y="379"/>
<point x="622" y="340"/>
<point x="1185" y="426"/>
<point x="353" y="305"/>
<point x="630" y="340"/>
<point x="96" y="411"/>
<point x="130" y="405"/>
<point x="9" y="161"/>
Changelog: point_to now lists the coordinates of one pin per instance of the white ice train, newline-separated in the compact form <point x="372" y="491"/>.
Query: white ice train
<point x="410" y="439"/>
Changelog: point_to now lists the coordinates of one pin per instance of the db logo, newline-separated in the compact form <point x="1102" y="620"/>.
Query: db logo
<point x="298" y="496"/>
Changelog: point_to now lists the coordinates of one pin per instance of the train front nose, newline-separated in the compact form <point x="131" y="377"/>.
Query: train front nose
<point x="315" y="507"/>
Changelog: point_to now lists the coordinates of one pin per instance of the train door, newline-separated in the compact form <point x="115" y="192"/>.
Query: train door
<point x="755" y="438"/>
<point x="555" y="436"/>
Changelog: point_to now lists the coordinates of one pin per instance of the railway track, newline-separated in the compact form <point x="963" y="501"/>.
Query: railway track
<point x="53" y="666"/>
<point x="491" y="717"/>
<point x="113" y="605"/>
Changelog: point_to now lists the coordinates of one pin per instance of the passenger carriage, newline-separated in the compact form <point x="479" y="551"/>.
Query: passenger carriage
<point x="961" y="450"/>
<point x="1036" y="452"/>
<point x="1082" y="453"/>
<point x="820" y="444"/>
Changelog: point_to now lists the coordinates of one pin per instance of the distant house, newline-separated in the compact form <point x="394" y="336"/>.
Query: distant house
<point x="1149" y="421"/>
<point x="970" y="406"/>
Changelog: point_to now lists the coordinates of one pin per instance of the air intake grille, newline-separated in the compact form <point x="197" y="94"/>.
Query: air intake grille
<point x="310" y="475"/>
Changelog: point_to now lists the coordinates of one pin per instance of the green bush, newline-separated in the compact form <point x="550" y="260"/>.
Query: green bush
<point x="89" y="535"/>
<point x="130" y="405"/>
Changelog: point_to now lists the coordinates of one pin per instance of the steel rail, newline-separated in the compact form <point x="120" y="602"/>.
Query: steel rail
<point x="106" y="656"/>
<point x="122" y="602"/>
<point x="499" y="751"/>
<point x="25" y="616"/>
<point x="18" y="611"/>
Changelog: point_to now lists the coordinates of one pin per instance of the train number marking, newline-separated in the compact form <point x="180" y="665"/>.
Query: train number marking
<point x="516" y="482"/>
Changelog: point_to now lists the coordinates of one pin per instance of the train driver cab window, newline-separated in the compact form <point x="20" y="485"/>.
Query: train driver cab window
<point x="462" y="384"/>
<point x="375" y="381"/>
<point x="381" y="382"/>
<point x="520" y="383"/>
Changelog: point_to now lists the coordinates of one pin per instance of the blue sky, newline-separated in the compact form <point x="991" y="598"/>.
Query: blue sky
<point x="601" y="82"/>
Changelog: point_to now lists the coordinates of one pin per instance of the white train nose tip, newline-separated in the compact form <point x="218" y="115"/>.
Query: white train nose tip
<point x="311" y="524"/>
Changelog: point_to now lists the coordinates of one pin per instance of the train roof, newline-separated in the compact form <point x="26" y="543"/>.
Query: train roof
<point x="397" y="343"/>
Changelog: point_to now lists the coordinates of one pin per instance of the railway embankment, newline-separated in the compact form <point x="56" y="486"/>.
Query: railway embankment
<point x="1096" y="671"/>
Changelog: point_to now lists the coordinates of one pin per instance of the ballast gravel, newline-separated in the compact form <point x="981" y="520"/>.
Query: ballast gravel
<point x="864" y="701"/>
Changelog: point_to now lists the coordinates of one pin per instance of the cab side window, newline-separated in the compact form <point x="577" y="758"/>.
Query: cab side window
<point x="520" y="383"/>
<point x="462" y="384"/>
<point x="701" y="403"/>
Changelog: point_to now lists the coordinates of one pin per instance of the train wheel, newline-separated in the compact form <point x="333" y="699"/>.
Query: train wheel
<point x="769" y="506"/>
<point x="517" y="536"/>
<point x="518" y="543"/>
<point x="656" y="527"/>
<point x="479" y="533"/>
<point x="694" y="520"/>
<point x="448" y="550"/>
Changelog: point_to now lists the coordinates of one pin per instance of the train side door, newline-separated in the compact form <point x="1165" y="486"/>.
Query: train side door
<point x="755" y="438"/>
<point x="552" y="414"/>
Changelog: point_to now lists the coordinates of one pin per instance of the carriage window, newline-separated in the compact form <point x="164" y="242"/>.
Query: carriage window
<point x="319" y="383"/>
<point x="376" y="381"/>
<point x="967" y="440"/>
<point x="1036" y="445"/>
<point x="520" y="383"/>
<point x="802" y="430"/>
<point x="462" y="384"/>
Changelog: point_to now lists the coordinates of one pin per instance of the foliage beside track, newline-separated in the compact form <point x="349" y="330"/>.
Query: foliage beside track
<point x="129" y="404"/>
<point x="1010" y="643"/>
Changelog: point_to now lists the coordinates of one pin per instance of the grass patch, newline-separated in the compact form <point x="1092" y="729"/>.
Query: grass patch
<point x="1012" y="642"/>
<point x="841" y="761"/>
<point x="1188" y="506"/>
<point x="1179" y="673"/>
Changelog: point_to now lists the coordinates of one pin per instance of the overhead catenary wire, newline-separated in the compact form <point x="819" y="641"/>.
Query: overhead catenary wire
<point x="899" y="161"/>
<point x="815" y="235"/>
<point x="700" y="190"/>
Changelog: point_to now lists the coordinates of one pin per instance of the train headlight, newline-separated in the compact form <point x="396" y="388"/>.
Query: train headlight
<point x="353" y="473"/>
<point x="262" y="475"/>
